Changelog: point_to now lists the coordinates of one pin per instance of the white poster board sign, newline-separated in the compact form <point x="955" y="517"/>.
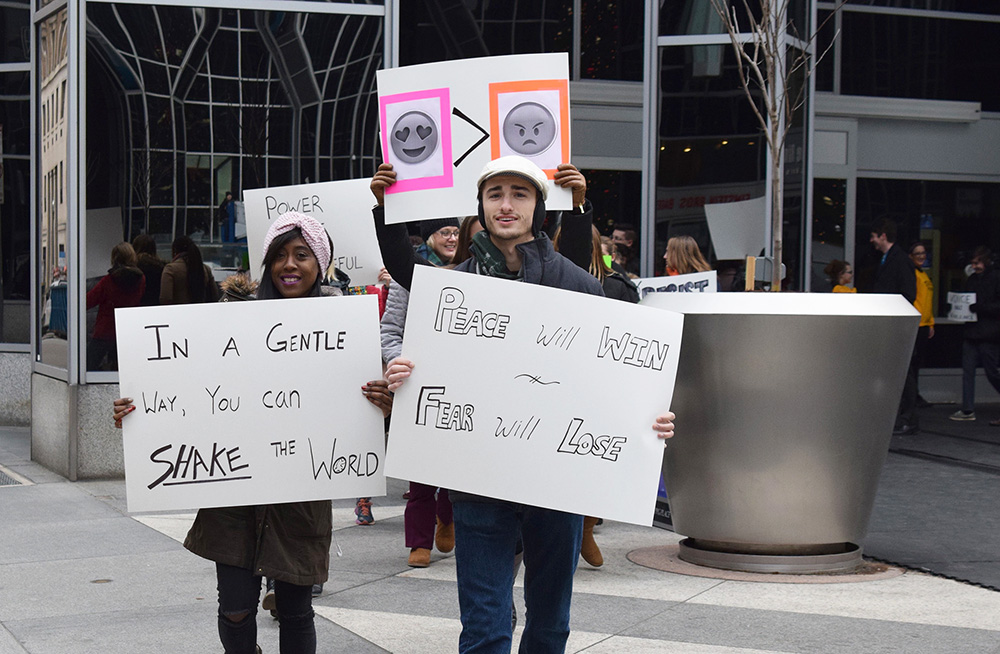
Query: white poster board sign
<point x="344" y="208"/>
<point x="245" y="403"/>
<point x="512" y="395"/>
<point x="698" y="282"/>
<point x="442" y="122"/>
<point x="960" y="311"/>
<point x="738" y="229"/>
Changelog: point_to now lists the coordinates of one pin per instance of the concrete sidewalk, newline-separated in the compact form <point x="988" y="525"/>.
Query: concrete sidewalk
<point x="78" y="574"/>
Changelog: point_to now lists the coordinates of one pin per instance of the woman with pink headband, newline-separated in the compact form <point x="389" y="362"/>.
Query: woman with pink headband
<point x="288" y="543"/>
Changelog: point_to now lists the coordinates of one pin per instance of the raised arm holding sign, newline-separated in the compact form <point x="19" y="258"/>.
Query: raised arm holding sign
<point x="512" y="193"/>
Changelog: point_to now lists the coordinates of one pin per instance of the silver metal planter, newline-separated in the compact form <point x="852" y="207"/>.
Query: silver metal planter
<point x="785" y="405"/>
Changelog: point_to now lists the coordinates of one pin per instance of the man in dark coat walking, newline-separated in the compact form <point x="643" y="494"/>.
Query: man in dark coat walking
<point x="895" y="275"/>
<point x="981" y="339"/>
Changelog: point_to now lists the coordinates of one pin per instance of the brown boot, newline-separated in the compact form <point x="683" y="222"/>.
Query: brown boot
<point x="588" y="548"/>
<point x="420" y="557"/>
<point x="444" y="536"/>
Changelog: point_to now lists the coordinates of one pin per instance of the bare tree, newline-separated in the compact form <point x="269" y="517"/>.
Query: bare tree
<point x="771" y="56"/>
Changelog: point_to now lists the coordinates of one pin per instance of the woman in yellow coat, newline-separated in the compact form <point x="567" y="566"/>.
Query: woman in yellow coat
<point x="924" y="303"/>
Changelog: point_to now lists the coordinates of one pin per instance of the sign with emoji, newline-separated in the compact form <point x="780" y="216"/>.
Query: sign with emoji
<point x="442" y="122"/>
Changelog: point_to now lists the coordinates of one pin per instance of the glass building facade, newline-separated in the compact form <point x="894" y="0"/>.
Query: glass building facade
<point x="121" y="118"/>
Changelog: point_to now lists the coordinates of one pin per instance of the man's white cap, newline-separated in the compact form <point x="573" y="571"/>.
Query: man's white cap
<point x="518" y="167"/>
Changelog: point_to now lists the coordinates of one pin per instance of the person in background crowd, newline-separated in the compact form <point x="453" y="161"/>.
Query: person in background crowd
<point x="470" y="227"/>
<point x="611" y="256"/>
<point x="151" y="266"/>
<point x="238" y="287"/>
<point x="924" y="303"/>
<point x="895" y="275"/>
<point x="427" y="519"/>
<point x="186" y="279"/>
<point x="123" y="286"/>
<point x="981" y="339"/>
<point x="615" y="285"/>
<point x="363" y="505"/>
<point x="290" y="542"/>
<point x="512" y="192"/>
<point x="226" y="217"/>
<point x="623" y="236"/>
<point x="618" y="287"/>
<point x="683" y="256"/>
<point x="440" y="240"/>
<point x="840" y="274"/>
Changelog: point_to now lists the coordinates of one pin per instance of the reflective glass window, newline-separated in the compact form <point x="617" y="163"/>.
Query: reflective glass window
<point x="611" y="38"/>
<point x="54" y="312"/>
<point x="484" y="29"/>
<point x="711" y="148"/>
<point x="899" y="56"/>
<point x="960" y="6"/>
<point x="952" y="218"/>
<point x="15" y="31"/>
<point x="200" y="101"/>
<point x="828" y="228"/>
<point x="824" y="39"/>
<point x="678" y="17"/>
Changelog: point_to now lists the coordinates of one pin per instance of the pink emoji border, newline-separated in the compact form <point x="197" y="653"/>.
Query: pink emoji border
<point x="421" y="183"/>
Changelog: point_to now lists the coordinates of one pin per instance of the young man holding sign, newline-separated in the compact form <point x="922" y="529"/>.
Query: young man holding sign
<point x="512" y="192"/>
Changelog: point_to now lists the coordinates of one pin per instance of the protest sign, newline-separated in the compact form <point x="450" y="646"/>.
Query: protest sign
<point x="697" y="282"/>
<point x="264" y="396"/>
<point x="516" y="394"/>
<point x="344" y="208"/>
<point x="442" y="122"/>
<point x="960" y="311"/>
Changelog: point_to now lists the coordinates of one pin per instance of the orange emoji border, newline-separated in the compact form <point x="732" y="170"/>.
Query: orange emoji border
<point x="560" y="85"/>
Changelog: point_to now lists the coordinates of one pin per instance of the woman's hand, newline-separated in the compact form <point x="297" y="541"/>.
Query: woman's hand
<point x="397" y="372"/>
<point x="384" y="276"/>
<point x="377" y="392"/>
<point x="664" y="425"/>
<point x="123" y="406"/>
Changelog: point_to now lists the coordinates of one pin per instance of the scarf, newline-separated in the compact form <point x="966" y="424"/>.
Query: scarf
<point x="489" y="259"/>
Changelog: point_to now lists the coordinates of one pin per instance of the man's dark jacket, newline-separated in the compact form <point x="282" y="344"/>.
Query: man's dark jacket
<point x="986" y="286"/>
<point x="895" y="275"/>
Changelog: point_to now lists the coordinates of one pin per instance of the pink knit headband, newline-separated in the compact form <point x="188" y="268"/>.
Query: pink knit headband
<point x="313" y="233"/>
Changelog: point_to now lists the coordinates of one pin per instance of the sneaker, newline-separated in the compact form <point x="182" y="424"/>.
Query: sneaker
<point x="317" y="590"/>
<point x="268" y="603"/>
<point x="963" y="415"/>
<point x="363" y="511"/>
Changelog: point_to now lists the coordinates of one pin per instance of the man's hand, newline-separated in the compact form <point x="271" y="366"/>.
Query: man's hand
<point x="397" y="372"/>
<point x="383" y="179"/>
<point x="567" y="176"/>
<point x="664" y="425"/>
<point x="377" y="392"/>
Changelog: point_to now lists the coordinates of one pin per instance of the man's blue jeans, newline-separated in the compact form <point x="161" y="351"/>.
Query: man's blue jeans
<point x="974" y="354"/>
<point x="485" y="540"/>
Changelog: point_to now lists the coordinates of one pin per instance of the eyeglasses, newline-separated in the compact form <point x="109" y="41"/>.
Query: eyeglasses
<point x="919" y="253"/>
<point x="447" y="233"/>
